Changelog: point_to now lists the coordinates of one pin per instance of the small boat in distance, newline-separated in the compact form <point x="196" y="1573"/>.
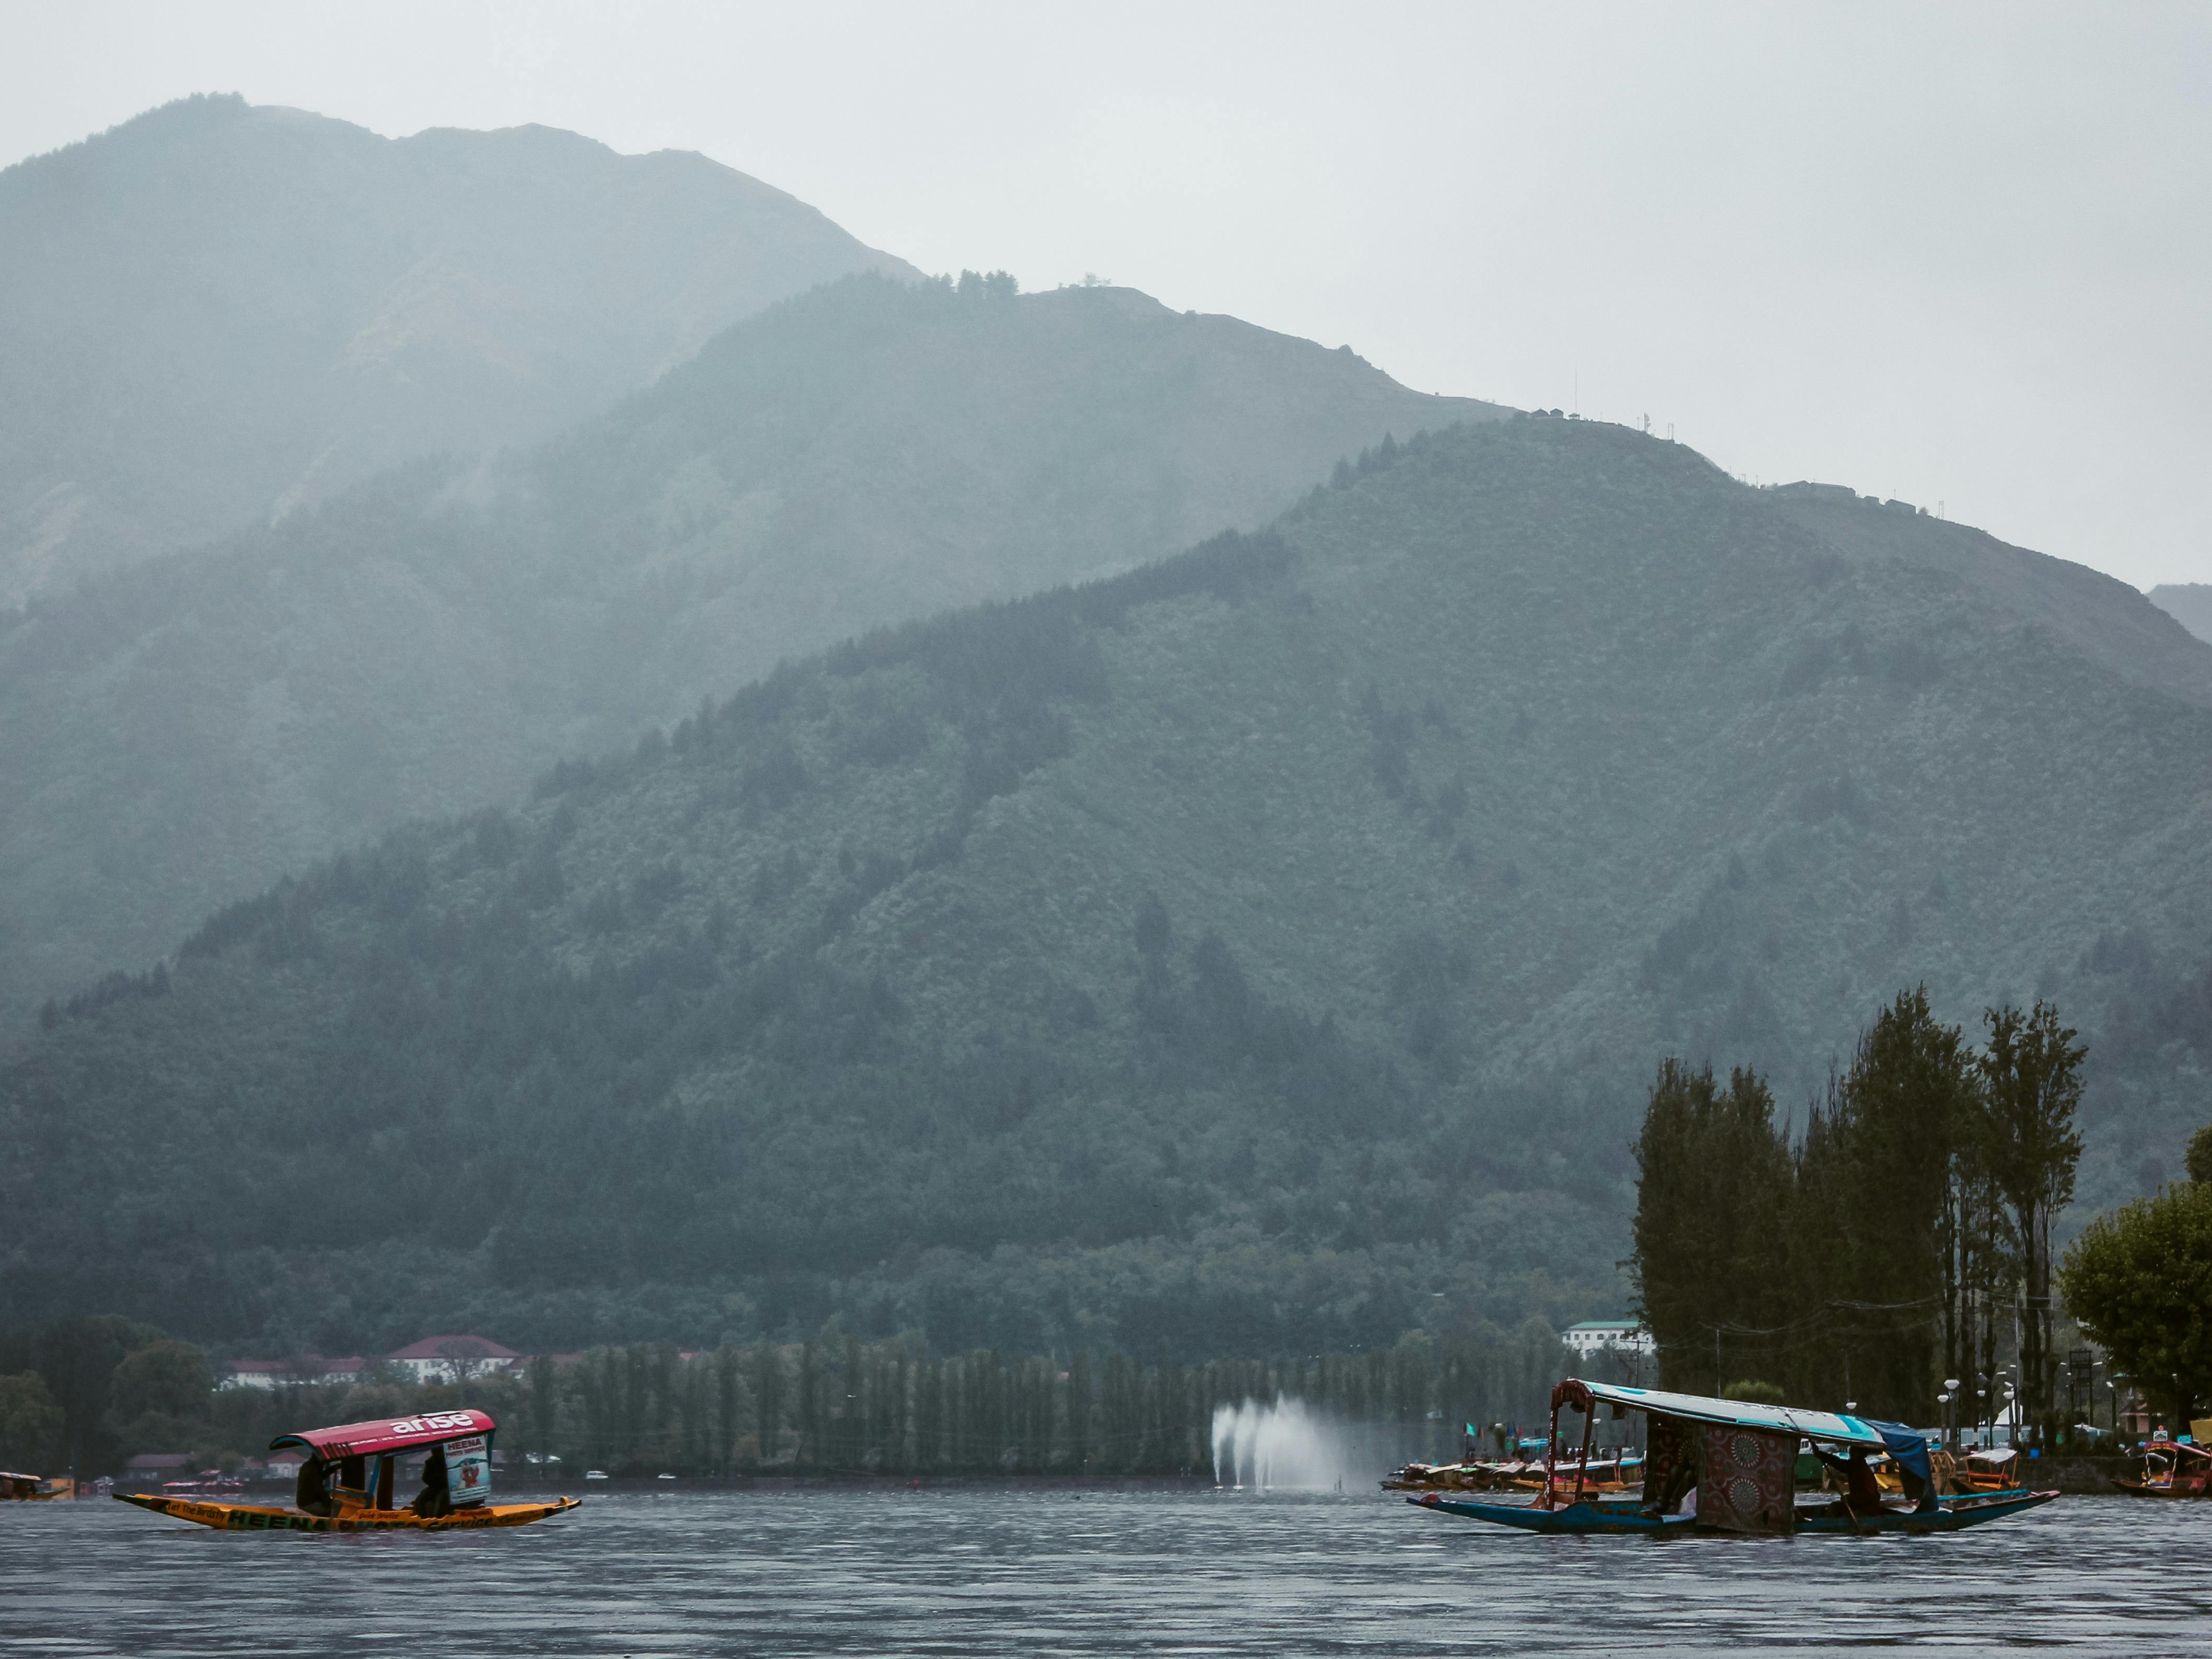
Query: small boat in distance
<point x="1606" y="1475"/>
<point x="345" y="1484"/>
<point x="1989" y="1469"/>
<point x="1730" y="1466"/>
<point x="2171" y="1468"/>
<point x="209" y="1483"/>
<point x="34" y="1489"/>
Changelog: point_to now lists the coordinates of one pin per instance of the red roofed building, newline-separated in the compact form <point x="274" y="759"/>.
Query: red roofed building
<point x="453" y="1360"/>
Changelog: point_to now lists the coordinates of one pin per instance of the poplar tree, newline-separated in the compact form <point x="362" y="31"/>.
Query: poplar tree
<point x="1877" y="1183"/>
<point x="767" y="1399"/>
<point x="2031" y="1084"/>
<point x="1714" y="1177"/>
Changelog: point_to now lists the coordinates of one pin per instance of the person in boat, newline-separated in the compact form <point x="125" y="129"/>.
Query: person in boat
<point x="311" y="1493"/>
<point x="1862" y="1493"/>
<point x="436" y="1497"/>
<point x="1670" y="1466"/>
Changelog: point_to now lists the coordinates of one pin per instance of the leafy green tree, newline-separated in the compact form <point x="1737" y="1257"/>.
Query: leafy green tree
<point x="1754" y="1392"/>
<point x="2198" y="1158"/>
<point x="30" y="1424"/>
<point x="156" y="1396"/>
<point x="2135" y="1281"/>
<point x="2031" y="1075"/>
<point x="76" y="1359"/>
<point x="167" y="1377"/>
<point x="1712" y="1194"/>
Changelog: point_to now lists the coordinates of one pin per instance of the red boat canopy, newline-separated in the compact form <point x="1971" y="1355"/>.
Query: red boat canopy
<point x="387" y="1434"/>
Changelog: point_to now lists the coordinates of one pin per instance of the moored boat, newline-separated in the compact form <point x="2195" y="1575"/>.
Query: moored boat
<point x="1992" y="1469"/>
<point x="34" y="1489"/>
<point x="1730" y="1466"/>
<point x="346" y="1481"/>
<point x="1606" y="1475"/>
<point x="213" y="1483"/>
<point x="2171" y="1468"/>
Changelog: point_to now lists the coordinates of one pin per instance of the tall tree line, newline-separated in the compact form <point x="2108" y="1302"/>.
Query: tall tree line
<point x="841" y="1406"/>
<point x="833" y="1406"/>
<point x="1903" y="1238"/>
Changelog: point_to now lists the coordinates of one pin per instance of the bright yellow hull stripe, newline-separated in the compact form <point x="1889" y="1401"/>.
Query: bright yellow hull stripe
<point x="265" y="1518"/>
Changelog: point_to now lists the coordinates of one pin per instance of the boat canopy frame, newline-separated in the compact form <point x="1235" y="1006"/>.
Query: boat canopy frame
<point x="1833" y="1427"/>
<point x="389" y="1434"/>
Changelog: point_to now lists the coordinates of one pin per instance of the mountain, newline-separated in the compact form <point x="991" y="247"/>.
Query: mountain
<point x="218" y="312"/>
<point x="2189" y="603"/>
<point x="181" y="733"/>
<point x="1264" y="950"/>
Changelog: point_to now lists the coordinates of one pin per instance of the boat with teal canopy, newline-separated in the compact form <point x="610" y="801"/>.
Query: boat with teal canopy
<point x="1729" y="1466"/>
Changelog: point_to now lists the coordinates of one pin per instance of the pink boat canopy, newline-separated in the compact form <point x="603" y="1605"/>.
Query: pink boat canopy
<point x="387" y="1434"/>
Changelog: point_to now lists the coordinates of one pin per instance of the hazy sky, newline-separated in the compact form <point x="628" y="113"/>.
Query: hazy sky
<point x="1958" y="253"/>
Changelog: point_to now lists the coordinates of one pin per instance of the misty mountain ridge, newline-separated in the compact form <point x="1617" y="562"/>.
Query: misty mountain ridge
<point x="217" y="313"/>
<point x="1262" y="949"/>
<point x="183" y="732"/>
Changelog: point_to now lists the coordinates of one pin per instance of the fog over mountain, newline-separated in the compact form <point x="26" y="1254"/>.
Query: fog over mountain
<point x="1265" y="948"/>
<point x="218" y="313"/>
<point x="182" y="732"/>
<point x="2188" y="602"/>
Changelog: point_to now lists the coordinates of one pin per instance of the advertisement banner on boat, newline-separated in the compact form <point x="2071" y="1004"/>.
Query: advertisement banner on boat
<point x="468" y="1470"/>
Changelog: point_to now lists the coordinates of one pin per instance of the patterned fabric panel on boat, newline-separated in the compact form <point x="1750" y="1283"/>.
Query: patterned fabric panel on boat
<point x="1670" y="1463"/>
<point x="1748" y="1482"/>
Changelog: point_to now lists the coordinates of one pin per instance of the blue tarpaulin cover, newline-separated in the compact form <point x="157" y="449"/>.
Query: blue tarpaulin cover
<point x="1908" y="1450"/>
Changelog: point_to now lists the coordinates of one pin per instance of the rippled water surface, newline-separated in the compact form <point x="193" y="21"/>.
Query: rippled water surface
<point x="954" y="1572"/>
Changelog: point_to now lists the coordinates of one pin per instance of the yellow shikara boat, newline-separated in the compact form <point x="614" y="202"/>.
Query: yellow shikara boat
<point x="365" y="1457"/>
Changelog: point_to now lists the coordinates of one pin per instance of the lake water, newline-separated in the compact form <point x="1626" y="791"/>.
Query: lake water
<point x="958" y="1571"/>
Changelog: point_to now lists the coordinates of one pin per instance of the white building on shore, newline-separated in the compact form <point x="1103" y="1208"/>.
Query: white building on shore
<point x="449" y="1359"/>
<point x="1596" y="1336"/>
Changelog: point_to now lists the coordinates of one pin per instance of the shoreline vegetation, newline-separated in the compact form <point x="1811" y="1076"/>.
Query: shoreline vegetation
<point x="832" y="1405"/>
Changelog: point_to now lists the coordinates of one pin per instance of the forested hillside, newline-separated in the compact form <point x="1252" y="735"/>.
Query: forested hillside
<point x="215" y="313"/>
<point x="1266" y="951"/>
<point x="180" y="734"/>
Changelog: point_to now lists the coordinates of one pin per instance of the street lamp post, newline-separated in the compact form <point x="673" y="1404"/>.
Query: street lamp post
<point x="1950" y="1400"/>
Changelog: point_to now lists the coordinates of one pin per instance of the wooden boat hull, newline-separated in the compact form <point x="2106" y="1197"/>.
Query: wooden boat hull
<point x="270" y="1517"/>
<point x="1955" y="1514"/>
<point x="1581" y="1519"/>
<point x="2147" y="1489"/>
<point x="1585" y="1519"/>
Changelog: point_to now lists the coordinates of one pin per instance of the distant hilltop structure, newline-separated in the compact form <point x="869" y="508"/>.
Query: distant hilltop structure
<point x="1805" y="489"/>
<point x="448" y="1359"/>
